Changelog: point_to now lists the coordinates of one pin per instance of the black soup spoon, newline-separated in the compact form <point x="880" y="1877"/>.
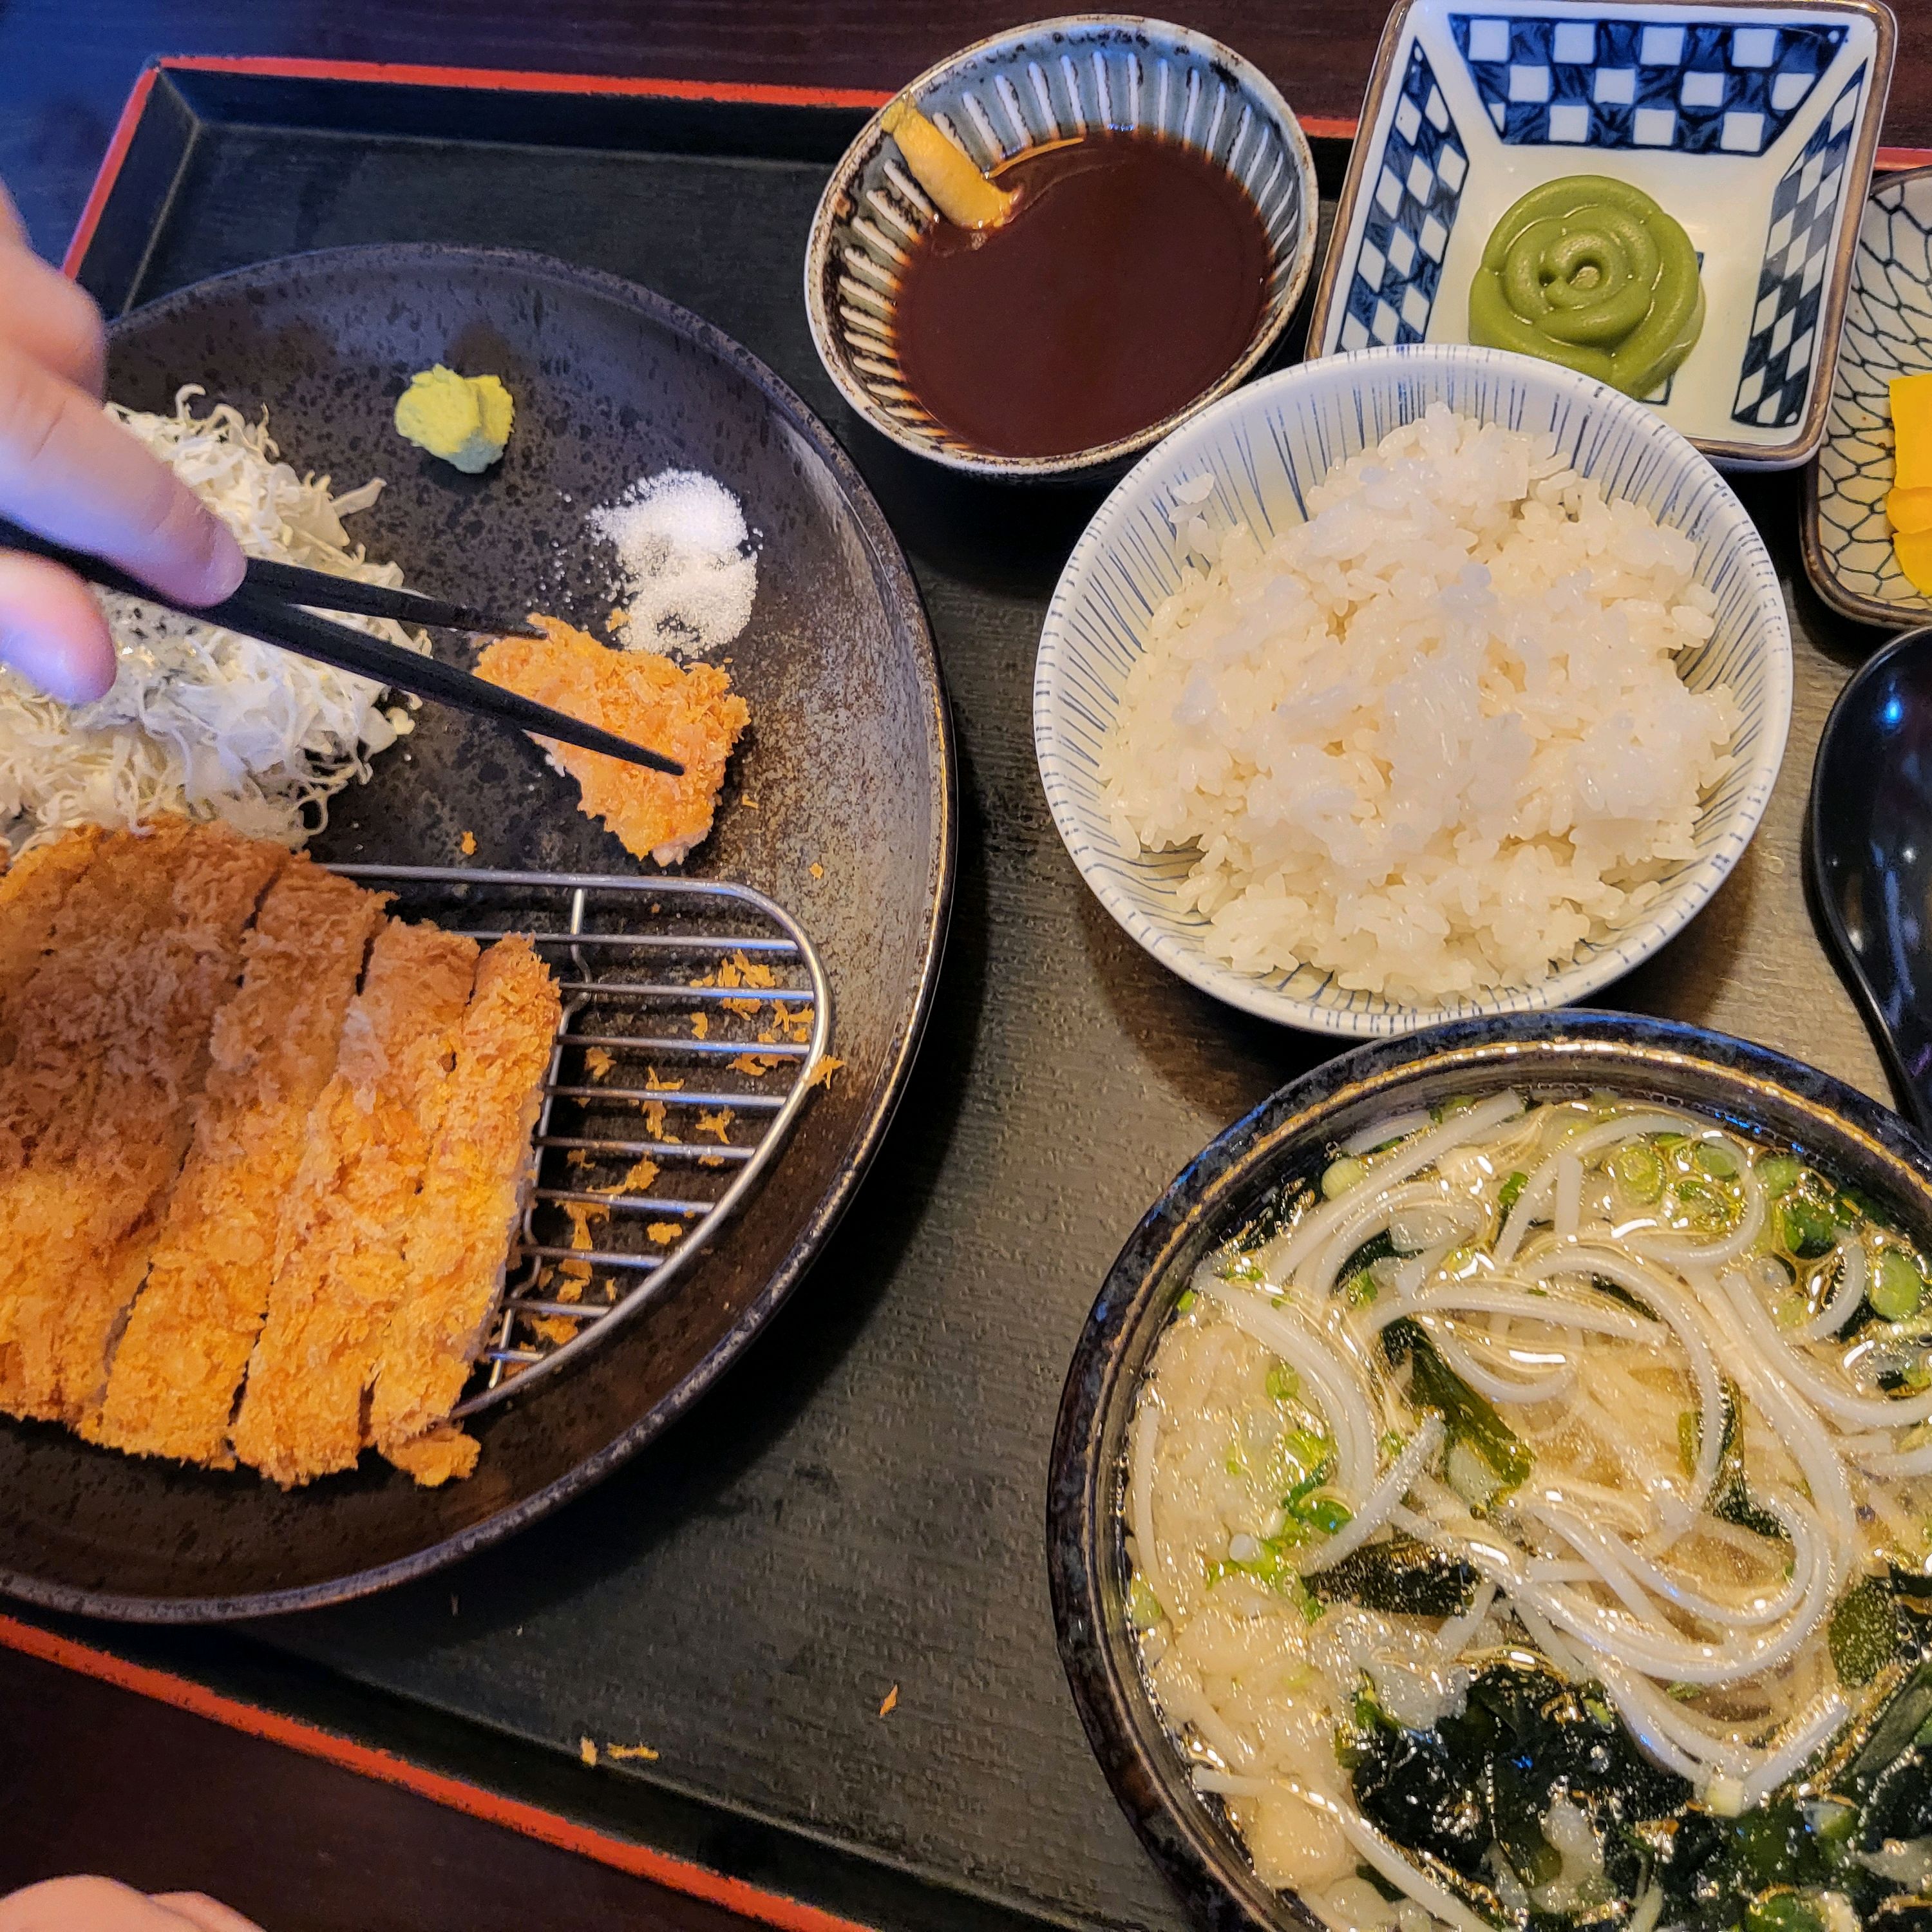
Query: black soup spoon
<point x="1869" y="853"/>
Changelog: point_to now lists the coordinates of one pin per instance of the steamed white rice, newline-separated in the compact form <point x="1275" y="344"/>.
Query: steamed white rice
<point x="1434" y="738"/>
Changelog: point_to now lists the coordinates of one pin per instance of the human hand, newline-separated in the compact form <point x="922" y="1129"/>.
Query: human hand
<point x="68" y="471"/>
<point x="100" y="1905"/>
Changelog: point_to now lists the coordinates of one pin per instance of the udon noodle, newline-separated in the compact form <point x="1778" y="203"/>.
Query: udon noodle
<point x="1530" y="1525"/>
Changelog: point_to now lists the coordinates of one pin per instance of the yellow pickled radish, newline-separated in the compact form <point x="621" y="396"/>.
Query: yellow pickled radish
<point x="1910" y="511"/>
<point x="959" y="190"/>
<point x="1912" y="427"/>
<point x="1909" y="507"/>
<point x="1913" y="549"/>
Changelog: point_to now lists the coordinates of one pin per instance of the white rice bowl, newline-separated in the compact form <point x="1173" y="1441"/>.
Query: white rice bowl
<point x="1362" y="740"/>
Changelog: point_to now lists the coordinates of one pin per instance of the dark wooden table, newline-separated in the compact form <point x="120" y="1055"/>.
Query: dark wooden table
<point x="92" y="1776"/>
<point x="66" y="65"/>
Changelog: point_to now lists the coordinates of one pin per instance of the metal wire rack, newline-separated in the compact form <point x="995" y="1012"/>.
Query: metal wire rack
<point x="695" y="1013"/>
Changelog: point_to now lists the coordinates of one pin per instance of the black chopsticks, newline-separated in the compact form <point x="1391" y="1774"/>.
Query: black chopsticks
<point x="274" y="603"/>
<point x="320" y="591"/>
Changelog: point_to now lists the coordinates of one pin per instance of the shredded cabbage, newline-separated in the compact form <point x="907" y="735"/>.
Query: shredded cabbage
<point x="201" y="720"/>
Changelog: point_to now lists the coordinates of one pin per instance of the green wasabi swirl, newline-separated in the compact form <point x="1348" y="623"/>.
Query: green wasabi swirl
<point x="1591" y="273"/>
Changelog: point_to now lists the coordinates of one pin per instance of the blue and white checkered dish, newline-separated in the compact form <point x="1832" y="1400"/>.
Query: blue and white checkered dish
<point x="1263" y="448"/>
<point x="1753" y="124"/>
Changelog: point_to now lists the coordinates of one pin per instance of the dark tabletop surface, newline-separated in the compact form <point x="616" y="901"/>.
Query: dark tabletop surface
<point x="1040" y="984"/>
<point x="66" y="65"/>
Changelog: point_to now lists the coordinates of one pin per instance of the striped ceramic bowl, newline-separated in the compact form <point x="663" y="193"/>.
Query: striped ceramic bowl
<point x="1248" y="460"/>
<point x="1048" y="82"/>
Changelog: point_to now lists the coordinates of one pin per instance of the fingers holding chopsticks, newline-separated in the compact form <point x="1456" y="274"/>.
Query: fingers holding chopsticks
<point x="52" y="631"/>
<point x="69" y="471"/>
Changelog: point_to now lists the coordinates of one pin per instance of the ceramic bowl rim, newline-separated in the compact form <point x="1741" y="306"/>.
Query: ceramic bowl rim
<point x="1083" y="463"/>
<point x="1818" y="566"/>
<point x="1802" y="448"/>
<point x="1198" y="1856"/>
<point x="1689" y="894"/>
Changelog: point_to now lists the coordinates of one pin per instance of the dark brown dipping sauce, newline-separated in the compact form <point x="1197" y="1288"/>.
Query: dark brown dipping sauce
<point x="1129" y="279"/>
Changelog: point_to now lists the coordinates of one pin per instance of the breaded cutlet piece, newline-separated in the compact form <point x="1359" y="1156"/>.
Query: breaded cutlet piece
<point x="76" y="995"/>
<point x="92" y="1255"/>
<point x="464" y="1221"/>
<point x="32" y="891"/>
<point x="688" y="712"/>
<point x="78" y="1001"/>
<point x="172" y="1386"/>
<point x="340" y="1272"/>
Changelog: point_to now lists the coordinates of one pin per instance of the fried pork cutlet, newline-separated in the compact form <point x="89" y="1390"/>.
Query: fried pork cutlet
<point x="687" y="712"/>
<point x="32" y="891"/>
<point x="94" y="1257"/>
<point x="462" y="1224"/>
<point x="78" y="1001"/>
<point x="340" y="1272"/>
<point x="172" y="1386"/>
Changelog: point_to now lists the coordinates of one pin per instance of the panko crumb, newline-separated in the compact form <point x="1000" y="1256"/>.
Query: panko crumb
<point x="823" y="1069"/>
<point x="891" y="1703"/>
<point x="623" y="1754"/>
<point x="817" y="871"/>
<point x="586" y="1749"/>
<point x="468" y="842"/>
<point x="700" y="1026"/>
<point x="665" y="1232"/>
<point x="718" y="1123"/>
<point x="598" y="1060"/>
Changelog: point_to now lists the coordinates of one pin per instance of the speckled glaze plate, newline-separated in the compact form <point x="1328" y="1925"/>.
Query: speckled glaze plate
<point x="839" y="804"/>
<point x="1847" y="542"/>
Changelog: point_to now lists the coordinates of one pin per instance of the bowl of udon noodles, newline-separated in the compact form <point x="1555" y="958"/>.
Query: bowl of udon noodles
<point x="1494" y="1488"/>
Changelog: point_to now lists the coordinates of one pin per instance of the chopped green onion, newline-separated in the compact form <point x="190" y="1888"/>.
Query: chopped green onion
<point x="1896" y="1289"/>
<point x="1511" y="1189"/>
<point x="1329" y="1515"/>
<point x="1704" y="1206"/>
<point x="1833" y="1819"/>
<point x="1806" y="1226"/>
<point x="1283" y="1383"/>
<point x="1638" y="1170"/>
<point x="1778" y="1173"/>
<point x="1713" y="1157"/>
<point x="1341" y="1175"/>
<point x="1187" y="1300"/>
<point x="1143" y="1610"/>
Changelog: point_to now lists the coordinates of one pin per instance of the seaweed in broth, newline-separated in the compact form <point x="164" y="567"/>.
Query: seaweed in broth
<point x="1532" y="1525"/>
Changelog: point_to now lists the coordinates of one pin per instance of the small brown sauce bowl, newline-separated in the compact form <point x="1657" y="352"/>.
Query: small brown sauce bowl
<point x="1009" y="96"/>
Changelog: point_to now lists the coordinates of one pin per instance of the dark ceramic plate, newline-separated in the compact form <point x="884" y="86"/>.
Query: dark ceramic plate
<point x="849" y="761"/>
<point x="1289" y="1136"/>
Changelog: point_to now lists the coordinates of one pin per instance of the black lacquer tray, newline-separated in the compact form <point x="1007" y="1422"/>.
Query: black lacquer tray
<point x="859" y="1504"/>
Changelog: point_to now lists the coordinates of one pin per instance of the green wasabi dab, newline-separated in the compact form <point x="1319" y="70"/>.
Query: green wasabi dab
<point x="1591" y="273"/>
